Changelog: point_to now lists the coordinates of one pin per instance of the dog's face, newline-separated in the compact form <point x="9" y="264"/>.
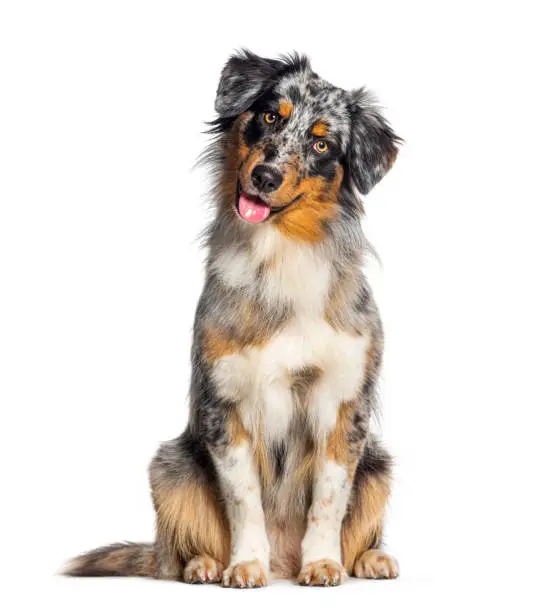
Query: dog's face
<point x="296" y="142"/>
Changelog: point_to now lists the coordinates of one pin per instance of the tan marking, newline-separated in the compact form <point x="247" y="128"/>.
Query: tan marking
<point x="263" y="463"/>
<point x="337" y="444"/>
<point x="217" y="345"/>
<point x="236" y="432"/>
<point x="285" y="109"/>
<point x="252" y="333"/>
<point x="304" y="219"/>
<point x="192" y="522"/>
<point x="320" y="129"/>
<point x="376" y="564"/>
<point x="307" y="465"/>
<point x="363" y="526"/>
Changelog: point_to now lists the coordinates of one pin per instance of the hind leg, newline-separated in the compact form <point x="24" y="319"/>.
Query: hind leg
<point x="168" y="565"/>
<point x="193" y="538"/>
<point x="376" y="564"/>
<point x="363" y="526"/>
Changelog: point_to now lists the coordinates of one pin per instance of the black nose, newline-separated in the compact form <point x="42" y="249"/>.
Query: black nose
<point x="266" y="178"/>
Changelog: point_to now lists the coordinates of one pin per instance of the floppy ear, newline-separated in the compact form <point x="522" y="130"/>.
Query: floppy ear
<point x="244" y="78"/>
<point x="374" y="145"/>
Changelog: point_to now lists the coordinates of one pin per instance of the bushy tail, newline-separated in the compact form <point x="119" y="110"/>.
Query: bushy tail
<point x="123" y="559"/>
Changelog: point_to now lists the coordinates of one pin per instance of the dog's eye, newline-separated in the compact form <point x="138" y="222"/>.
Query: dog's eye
<point x="321" y="146"/>
<point x="270" y="117"/>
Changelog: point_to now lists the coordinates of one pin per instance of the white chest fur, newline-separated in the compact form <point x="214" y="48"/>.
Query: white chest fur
<point x="296" y="273"/>
<point x="259" y="379"/>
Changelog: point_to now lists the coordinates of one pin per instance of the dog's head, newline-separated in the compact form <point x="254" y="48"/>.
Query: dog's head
<point x="294" y="143"/>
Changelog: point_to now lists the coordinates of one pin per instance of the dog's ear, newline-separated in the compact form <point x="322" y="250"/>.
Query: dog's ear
<point x="243" y="79"/>
<point x="373" y="143"/>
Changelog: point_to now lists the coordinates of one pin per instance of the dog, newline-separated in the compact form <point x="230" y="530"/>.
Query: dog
<point x="277" y="473"/>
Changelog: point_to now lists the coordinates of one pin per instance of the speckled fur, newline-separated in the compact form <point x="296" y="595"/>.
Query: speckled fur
<point x="278" y="457"/>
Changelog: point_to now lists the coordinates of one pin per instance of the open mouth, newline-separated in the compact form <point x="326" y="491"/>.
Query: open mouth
<point x="253" y="209"/>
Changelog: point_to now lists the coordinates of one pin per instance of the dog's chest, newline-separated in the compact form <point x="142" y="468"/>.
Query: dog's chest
<point x="306" y="353"/>
<point x="305" y="371"/>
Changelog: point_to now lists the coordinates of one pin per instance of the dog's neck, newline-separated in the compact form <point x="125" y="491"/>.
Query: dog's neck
<point x="276" y="270"/>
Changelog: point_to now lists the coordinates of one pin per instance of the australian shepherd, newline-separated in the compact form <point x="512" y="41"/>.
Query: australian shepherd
<point x="277" y="472"/>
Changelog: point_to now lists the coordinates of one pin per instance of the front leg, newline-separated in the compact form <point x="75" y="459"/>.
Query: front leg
<point x="240" y="486"/>
<point x="321" y="546"/>
<point x="232" y="452"/>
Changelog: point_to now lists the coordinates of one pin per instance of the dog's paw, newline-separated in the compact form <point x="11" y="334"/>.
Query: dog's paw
<point x="321" y="573"/>
<point x="245" y="575"/>
<point x="376" y="564"/>
<point x="203" y="570"/>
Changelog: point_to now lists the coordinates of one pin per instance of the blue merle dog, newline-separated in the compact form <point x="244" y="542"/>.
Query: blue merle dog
<point x="277" y="472"/>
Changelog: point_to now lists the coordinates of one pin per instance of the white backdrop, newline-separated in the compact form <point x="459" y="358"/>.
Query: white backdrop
<point x="102" y="106"/>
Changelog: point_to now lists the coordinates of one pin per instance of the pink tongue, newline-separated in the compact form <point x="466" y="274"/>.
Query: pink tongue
<point x="252" y="210"/>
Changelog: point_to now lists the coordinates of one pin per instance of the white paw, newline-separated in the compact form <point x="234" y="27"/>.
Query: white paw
<point x="245" y="575"/>
<point x="321" y="573"/>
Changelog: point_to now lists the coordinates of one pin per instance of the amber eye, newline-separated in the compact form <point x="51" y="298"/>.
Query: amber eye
<point x="270" y="117"/>
<point x="320" y="146"/>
